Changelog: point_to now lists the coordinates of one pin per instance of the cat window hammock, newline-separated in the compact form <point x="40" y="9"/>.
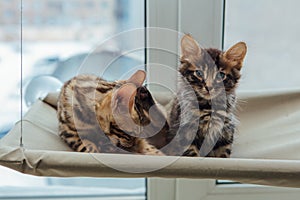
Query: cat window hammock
<point x="266" y="150"/>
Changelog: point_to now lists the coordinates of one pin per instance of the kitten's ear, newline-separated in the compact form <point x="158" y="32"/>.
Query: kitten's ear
<point x="235" y="55"/>
<point x="123" y="99"/>
<point x="122" y="105"/>
<point x="189" y="48"/>
<point x="137" y="78"/>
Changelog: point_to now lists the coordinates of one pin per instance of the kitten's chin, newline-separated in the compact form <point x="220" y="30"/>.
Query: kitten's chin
<point x="207" y="96"/>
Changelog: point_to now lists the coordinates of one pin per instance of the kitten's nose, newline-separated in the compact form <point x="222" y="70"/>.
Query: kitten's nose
<point x="208" y="88"/>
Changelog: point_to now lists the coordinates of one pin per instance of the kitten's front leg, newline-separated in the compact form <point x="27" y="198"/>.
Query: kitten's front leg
<point x="76" y="142"/>
<point x="218" y="132"/>
<point x="192" y="151"/>
<point x="223" y="146"/>
<point x="221" y="152"/>
<point x="145" y="148"/>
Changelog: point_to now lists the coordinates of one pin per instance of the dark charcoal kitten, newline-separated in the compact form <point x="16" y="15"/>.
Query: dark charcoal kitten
<point x="213" y="76"/>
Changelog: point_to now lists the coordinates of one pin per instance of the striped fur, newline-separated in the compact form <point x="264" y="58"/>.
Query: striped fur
<point x="87" y="111"/>
<point x="213" y="76"/>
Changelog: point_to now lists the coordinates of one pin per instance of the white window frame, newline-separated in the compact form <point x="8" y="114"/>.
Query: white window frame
<point x="204" y="19"/>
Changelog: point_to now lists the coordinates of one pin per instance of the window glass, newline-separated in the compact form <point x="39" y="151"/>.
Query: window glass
<point x="15" y="185"/>
<point x="10" y="57"/>
<point x="271" y="30"/>
<point x="57" y="35"/>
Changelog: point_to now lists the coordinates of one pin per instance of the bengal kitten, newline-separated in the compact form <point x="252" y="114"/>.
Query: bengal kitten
<point x="213" y="76"/>
<point x="100" y="116"/>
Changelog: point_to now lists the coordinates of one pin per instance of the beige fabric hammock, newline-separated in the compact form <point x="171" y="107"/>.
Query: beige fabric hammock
<point x="266" y="150"/>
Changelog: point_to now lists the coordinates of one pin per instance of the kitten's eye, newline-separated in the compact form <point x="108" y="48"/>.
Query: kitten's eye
<point x="222" y="75"/>
<point x="199" y="73"/>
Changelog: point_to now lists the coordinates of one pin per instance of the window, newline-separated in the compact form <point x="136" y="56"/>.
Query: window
<point x="212" y="22"/>
<point x="56" y="38"/>
<point x="271" y="30"/>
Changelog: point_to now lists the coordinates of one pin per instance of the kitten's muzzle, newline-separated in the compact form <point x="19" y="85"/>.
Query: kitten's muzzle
<point x="208" y="88"/>
<point x="143" y="93"/>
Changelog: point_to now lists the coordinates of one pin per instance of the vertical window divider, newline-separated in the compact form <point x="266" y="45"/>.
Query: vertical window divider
<point x="21" y="71"/>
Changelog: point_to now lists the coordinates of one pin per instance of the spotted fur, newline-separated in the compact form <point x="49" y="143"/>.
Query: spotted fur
<point x="91" y="117"/>
<point x="213" y="76"/>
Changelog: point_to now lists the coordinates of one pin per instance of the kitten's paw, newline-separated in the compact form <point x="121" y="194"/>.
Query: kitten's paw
<point x="91" y="147"/>
<point x="151" y="150"/>
<point x="192" y="151"/>
<point x="221" y="152"/>
<point x="159" y="153"/>
<point x="155" y="153"/>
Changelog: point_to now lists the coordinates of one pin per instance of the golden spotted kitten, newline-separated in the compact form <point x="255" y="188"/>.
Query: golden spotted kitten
<point x="205" y="125"/>
<point x="100" y="116"/>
